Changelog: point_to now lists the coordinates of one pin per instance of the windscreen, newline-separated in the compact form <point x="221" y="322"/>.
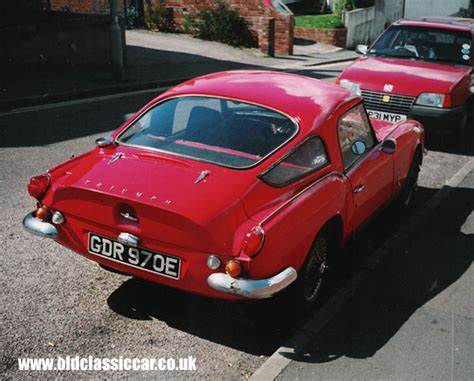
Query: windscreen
<point x="425" y="44"/>
<point x="222" y="131"/>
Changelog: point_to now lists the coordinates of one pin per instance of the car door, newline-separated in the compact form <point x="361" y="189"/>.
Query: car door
<point x="368" y="168"/>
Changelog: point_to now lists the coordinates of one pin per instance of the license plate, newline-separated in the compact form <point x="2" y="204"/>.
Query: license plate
<point x="386" y="116"/>
<point x="144" y="259"/>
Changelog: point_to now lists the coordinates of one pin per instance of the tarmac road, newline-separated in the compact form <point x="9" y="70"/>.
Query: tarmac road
<point x="56" y="303"/>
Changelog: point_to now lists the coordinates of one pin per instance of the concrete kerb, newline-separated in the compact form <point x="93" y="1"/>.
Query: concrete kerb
<point x="304" y="335"/>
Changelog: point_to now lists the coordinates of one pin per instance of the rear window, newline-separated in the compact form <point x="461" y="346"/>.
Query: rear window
<point x="222" y="131"/>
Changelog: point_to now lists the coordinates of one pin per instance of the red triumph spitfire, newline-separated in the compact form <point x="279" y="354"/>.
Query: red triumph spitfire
<point x="232" y="185"/>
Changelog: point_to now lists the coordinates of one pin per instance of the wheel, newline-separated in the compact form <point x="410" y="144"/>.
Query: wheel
<point x="411" y="182"/>
<point x="312" y="273"/>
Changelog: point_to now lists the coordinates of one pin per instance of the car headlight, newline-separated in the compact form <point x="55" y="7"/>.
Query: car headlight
<point x="349" y="85"/>
<point x="430" y="99"/>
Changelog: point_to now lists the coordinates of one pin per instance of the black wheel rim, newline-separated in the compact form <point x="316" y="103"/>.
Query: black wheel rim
<point x="314" y="270"/>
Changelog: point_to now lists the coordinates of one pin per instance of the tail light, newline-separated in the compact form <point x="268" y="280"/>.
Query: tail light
<point x="38" y="186"/>
<point x="253" y="241"/>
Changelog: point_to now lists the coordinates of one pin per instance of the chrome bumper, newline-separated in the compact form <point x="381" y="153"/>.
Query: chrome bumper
<point x="40" y="228"/>
<point x="252" y="289"/>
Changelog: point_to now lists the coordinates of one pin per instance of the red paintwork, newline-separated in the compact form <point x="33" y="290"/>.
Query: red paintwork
<point x="213" y="216"/>
<point x="411" y="78"/>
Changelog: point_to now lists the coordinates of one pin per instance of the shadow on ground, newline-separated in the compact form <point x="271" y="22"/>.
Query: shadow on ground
<point x="233" y="324"/>
<point x="261" y="328"/>
<point x="419" y="268"/>
<point x="53" y="124"/>
<point x="451" y="143"/>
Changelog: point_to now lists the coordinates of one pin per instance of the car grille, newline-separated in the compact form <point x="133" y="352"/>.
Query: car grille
<point x="398" y="104"/>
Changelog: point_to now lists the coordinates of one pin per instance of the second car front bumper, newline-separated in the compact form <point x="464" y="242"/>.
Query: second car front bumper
<point x="252" y="289"/>
<point x="439" y="120"/>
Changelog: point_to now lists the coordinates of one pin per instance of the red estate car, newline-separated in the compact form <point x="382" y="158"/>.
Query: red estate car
<point x="231" y="185"/>
<point x="420" y="69"/>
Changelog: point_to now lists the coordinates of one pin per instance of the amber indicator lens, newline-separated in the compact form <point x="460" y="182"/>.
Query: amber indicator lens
<point x="42" y="213"/>
<point x="233" y="268"/>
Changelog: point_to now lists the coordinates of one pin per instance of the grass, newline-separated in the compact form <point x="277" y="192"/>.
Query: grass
<point x="319" y="22"/>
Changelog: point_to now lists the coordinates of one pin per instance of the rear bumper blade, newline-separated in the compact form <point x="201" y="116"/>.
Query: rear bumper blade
<point x="39" y="228"/>
<point x="252" y="289"/>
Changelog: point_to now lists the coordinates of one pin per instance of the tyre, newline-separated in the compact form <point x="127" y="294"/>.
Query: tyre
<point x="409" y="188"/>
<point x="312" y="273"/>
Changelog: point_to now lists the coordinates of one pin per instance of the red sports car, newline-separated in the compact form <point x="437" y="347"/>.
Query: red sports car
<point x="232" y="185"/>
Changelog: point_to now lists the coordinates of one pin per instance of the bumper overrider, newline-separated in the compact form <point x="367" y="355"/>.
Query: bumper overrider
<point x="38" y="227"/>
<point x="246" y="288"/>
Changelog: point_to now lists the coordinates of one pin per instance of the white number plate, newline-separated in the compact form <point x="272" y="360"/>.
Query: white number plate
<point x="147" y="260"/>
<point x="386" y="116"/>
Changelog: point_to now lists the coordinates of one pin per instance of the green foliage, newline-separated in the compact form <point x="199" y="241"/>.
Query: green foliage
<point x="349" y="5"/>
<point x="159" y="17"/>
<point x="343" y="5"/>
<point x="132" y="15"/>
<point x="319" y="22"/>
<point x="219" y="23"/>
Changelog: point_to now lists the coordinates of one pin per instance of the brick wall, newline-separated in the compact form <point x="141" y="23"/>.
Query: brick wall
<point x="335" y="37"/>
<point x="258" y="14"/>
<point x="277" y="34"/>
<point x="84" y="6"/>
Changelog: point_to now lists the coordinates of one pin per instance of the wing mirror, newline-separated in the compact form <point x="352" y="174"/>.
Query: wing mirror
<point x="389" y="145"/>
<point x="362" y="49"/>
<point x="104" y="141"/>
<point x="359" y="147"/>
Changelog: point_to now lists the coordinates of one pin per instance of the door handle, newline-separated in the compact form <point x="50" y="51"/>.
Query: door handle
<point x="359" y="189"/>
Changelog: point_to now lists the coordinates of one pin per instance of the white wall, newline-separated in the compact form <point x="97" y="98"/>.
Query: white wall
<point x="420" y="8"/>
<point x="365" y="25"/>
<point x="359" y="24"/>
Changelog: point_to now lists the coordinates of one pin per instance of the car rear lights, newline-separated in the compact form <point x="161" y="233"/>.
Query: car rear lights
<point x="253" y="241"/>
<point x="38" y="186"/>
<point x="42" y="213"/>
<point x="233" y="268"/>
<point x="57" y="218"/>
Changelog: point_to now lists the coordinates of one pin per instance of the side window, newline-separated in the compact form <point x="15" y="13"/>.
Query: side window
<point x="309" y="156"/>
<point x="355" y="135"/>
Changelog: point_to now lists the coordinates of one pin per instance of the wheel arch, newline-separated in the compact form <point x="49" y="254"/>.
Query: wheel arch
<point x="333" y="230"/>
